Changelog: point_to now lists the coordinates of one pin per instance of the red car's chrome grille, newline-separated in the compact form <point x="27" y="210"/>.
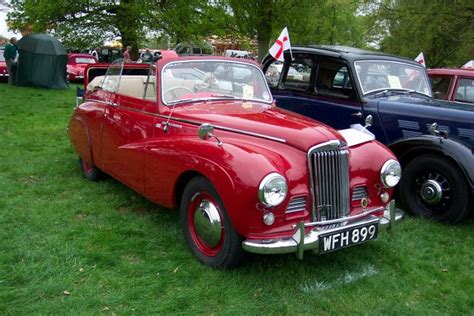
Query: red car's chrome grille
<point x="359" y="193"/>
<point x="329" y="167"/>
<point x="297" y="204"/>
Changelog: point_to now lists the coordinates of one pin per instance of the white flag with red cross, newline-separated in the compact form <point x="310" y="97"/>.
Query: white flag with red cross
<point x="281" y="44"/>
<point x="420" y="59"/>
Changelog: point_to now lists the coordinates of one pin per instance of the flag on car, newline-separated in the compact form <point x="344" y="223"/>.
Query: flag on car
<point x="281" y="44"/>
<point x="420" y="59"/>
<point x="469" y="65"/>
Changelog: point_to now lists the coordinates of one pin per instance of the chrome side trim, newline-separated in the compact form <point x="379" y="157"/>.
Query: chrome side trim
<point x="197" y="123"/>
<point x="235" y="130"/>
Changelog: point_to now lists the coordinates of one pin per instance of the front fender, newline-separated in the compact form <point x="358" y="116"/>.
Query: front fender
<point x="454" y="149"/>
<point x="235" y="169"/>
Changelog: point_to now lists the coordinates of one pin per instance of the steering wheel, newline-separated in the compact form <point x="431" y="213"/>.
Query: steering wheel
<point x="175" y="96"/>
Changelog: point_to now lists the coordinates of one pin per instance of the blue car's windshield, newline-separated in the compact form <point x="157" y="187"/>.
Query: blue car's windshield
<point x="379" y="75"/>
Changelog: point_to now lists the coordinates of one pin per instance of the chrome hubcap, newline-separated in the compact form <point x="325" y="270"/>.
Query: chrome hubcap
<point x="207" y="223"/>
<point x="431" y="192"/>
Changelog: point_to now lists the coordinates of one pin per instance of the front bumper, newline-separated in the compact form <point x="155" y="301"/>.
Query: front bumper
<point x="301" y="241"/>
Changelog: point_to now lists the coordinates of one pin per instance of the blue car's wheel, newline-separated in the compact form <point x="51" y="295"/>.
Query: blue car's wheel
<point x="433" y="187"/>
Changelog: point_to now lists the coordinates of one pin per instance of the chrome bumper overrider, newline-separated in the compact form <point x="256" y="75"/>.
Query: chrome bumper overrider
<point x="301" y="241"/>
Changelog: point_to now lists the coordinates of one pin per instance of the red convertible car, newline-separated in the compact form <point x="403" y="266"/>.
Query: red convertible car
<point x="453" y="84"/>
<point x="76" y="64"/>
<point x="202" y="134"/>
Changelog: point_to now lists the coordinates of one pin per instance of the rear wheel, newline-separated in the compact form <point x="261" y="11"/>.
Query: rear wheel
<point x="89" y="171"/>
<point x="435" y="188"/>
<point x="207" y="228"/>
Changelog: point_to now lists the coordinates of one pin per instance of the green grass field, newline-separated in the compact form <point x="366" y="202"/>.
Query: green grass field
<point x="70" y="246"/>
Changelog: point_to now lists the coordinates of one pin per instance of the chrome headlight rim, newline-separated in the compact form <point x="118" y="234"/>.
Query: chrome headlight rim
<point x="265" y="181"/>
<point x="386" y="171"/>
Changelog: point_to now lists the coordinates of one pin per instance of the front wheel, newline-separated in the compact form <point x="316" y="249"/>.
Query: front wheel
<point x="206" y="227"/>
<point x="435" y="188"/>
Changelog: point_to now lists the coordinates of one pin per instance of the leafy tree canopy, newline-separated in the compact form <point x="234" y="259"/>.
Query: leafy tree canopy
<point x="442" y="30"/>
<point x="308" y="21"/>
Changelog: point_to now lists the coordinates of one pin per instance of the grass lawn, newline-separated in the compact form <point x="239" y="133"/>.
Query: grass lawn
<point x="70" y="246"/>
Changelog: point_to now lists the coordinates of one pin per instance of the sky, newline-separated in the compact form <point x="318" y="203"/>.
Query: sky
<point x="3" y="24"/>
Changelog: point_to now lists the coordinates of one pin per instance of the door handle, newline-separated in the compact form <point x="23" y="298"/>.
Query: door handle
<point x="357" y="114"/>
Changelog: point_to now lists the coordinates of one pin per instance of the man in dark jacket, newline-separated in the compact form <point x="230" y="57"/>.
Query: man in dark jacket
<point x="10" y="53"/>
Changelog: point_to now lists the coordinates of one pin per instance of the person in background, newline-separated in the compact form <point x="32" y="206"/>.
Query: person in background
<point x="126" y="55"/>
<point x="147" y="56"/>
<point x="10" y="54"/>
<point x="95" y="53"/>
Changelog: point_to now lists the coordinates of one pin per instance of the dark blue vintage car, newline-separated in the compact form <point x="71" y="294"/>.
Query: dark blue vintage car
<point x="433" y="139"/>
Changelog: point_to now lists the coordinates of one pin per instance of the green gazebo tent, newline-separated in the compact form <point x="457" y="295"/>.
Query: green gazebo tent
<point x="41" y="63"/>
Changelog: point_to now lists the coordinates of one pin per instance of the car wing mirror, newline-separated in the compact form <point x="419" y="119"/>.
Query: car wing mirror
<point x="206" y="131"/>
<point x="368" y="121"/>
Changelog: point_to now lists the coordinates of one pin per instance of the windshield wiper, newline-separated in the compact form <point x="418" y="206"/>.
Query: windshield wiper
<point x="412" y="92"/>
<point x="389" y="92"/>
<point x="186" y="100"/>
<point x="224" y="96"/>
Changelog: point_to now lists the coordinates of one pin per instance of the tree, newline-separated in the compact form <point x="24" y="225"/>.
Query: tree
<point x="309" y="21"/>
<point x="185" y="21"/>
<point x="80" y="22"/>
<point x="441" y="29"/>
<point x="86" y="23"/>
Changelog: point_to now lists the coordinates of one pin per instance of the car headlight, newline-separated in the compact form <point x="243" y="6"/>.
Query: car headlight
<point x="273" y="189"/>
<point x="390" y="173"/>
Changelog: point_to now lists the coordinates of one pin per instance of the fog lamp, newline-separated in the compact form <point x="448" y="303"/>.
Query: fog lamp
<point x="269" y="218"/>
<point x="384" y="196"/>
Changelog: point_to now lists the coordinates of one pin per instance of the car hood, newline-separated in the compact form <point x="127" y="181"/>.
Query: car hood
<point x="261" y="119"/>
<point x="429" y="102"/>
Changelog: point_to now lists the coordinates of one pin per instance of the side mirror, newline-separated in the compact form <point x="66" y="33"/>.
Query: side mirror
<point x="368" y="121"/>
<point x="206" y="131"/>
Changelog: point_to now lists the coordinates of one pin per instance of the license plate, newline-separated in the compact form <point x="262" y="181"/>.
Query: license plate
<point x="347" y="237"/>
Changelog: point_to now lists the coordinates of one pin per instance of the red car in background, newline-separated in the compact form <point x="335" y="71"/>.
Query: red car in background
<point x="3" y="66"/>
<point x="76" y="64"/>
<point x="453" y="84"/>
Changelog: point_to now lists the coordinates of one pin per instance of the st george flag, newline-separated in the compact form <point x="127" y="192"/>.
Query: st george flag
<point x="281" y="44"/>
<point x="420" y="59"/>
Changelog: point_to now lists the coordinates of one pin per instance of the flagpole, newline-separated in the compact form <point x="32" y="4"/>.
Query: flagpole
<point x="291" y="52"/>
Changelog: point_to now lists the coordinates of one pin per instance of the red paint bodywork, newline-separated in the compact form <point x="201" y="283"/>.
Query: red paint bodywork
<point x="76" y="71"/>
<point x="3" y="70"/>
<point x="3" y="66"/>
<point x="128" y="142"/>
<point x="455" y="74"/>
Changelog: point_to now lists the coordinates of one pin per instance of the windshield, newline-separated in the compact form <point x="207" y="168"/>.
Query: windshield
<point x="379" y="75"/>
<point x="209" y="79"/>
<point x="1" y="55"/>
<point x="85" y="60"/>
